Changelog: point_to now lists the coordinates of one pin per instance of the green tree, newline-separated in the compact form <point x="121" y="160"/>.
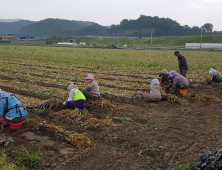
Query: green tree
<point x="208" y="28"/>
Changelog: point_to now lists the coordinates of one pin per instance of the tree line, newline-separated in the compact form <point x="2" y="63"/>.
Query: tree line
<point x="144" y="26"/>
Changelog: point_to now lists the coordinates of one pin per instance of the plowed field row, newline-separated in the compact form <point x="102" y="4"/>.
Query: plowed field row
<point x="79" y="75"/>
<point x="117" y="73"/>
<point x="75" y="73"/>
<point x="72" y="68"/>
<point x="66" y="81"/>
<point x="52" y="88"/>
<point x="64" y="66"/>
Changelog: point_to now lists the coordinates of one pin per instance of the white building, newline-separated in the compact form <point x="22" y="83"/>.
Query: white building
<point x="65" y="43"/>
<point x="82" y="43"/>
<point x="203" y="45"/>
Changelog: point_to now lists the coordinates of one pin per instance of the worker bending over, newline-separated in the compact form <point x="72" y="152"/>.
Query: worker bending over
<point x="156" y="93"/>
<point x="12" y="111"/>
<point x="179" y="82"/>
<point x="217" y="76"/>
<point x="76" y="97"/>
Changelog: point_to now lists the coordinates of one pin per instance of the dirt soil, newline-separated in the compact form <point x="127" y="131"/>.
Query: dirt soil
<point x="173" y="136"/>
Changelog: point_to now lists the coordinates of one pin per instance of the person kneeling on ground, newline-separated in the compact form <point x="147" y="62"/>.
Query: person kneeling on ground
<point x="217" y="76"/>
<point x="156" y="93"/>
<point x="165" y="77"/>
<point x="92" y="91"/>
<point x="179" y="81"/>
<point x="76" y="98"/>
<point x="12" y="111"/>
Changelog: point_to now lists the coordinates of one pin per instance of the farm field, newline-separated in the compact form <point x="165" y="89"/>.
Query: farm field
<point x="122" y="131"/>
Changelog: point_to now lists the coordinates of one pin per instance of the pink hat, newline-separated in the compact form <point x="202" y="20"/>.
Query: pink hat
<point x="90" y="78"/>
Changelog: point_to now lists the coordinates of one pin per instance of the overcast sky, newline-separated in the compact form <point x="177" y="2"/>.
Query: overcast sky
<point x="108" y="12"/>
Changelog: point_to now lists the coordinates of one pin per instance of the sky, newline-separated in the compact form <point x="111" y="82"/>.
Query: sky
<point x="108" y="12"/>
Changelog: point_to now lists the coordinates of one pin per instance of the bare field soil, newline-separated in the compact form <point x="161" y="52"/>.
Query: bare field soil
<point x="122" y="131"/>
<point x="173" y="135"/>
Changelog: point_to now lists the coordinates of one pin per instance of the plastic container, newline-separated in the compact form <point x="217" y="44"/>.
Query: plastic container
<point x="183" y="91"/>
<point x="15" y="125"/>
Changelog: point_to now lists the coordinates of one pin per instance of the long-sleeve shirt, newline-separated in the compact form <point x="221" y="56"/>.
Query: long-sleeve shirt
<point x="217" y="73"/>
<point x="156" y="92"/>
<point x="15" y="107"/>
<point x="94" y="88"/>
<point x="167" y="78"/>
<point x="71" y="95"/>
<point x="179" y="79"/>
<point x="182" y="63"/>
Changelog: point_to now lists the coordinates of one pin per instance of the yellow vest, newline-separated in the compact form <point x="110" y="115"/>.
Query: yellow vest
<point x="78" y="95"/>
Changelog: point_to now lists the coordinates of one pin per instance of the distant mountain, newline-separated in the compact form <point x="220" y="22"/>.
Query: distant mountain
<point x="95" y="29"/>
<point x="12" y="27"/>
<point x="10" y="20"/>
<point x="141" y="27"/>
<point x="144" y="25"/>
<point x="50" y="27"/>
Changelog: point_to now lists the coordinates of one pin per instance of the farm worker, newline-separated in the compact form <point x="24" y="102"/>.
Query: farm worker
<point x="182" y="63"/>
<point x="76" y="98"/>
<point x="179" y="81"/>
<point x="165" y="76"/>
<point x="92" y="91"/>
<point x="12" y="111"/>
<point x="156" y="93"/>
<point x="217" y="76"/>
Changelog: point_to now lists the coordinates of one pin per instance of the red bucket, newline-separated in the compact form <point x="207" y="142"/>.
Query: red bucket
<point x="15" y="125"/>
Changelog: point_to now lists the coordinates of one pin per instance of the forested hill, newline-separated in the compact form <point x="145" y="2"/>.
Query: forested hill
<point x="144" y="25"/>
<point x="141" y="27"/>
<point x="56" y="27"/>
<point x="12" y="27"/>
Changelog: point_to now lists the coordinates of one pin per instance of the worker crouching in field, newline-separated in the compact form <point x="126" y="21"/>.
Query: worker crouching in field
<point x="217" y="76"/>
<point x="12" y="112"/>
<point x="92" y="92"/>
<point x="179" y="82"/>
<point x="156" y="93"/>
<point x="165" y="77"/>
<point x="76" y="98"/>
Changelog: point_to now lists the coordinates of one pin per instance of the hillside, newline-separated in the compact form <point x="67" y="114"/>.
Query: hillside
<point x="95" y="29"/>
<point x="12" y="27"/>
<point x="141" y="27"/>
<point x="165" y="40"/>
<point x="144" y="25"/>
<point x="50" y="27"/>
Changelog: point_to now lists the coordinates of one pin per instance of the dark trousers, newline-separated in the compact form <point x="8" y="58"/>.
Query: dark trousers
<point x="81" y="104"/>
<point x="17" y="119"/>
<point x="183" y="73"/>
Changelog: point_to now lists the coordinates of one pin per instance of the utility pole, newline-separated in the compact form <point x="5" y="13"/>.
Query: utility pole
<point x="118" y="38"/>
<point x="151" y="38"/>
<point x="201" y="39"/>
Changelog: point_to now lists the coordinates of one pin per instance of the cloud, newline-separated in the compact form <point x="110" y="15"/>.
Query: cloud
<point x="213" y="0"/>
<point x="193" y="6"/>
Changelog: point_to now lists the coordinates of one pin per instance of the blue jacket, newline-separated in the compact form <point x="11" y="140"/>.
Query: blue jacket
<point x="14" y="109"/>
